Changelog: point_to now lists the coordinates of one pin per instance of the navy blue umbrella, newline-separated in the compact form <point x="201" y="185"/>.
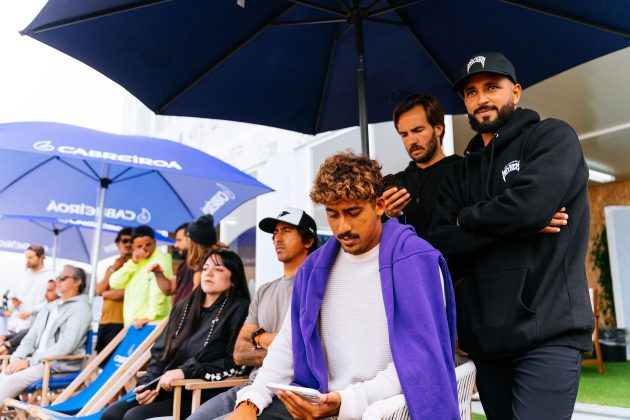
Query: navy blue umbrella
<point x="63" y="171"/>
<point x="296" y="64"/>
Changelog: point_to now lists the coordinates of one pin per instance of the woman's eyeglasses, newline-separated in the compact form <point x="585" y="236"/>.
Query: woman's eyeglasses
<point x="63" y="277"/>
<point x="125" y="241"/>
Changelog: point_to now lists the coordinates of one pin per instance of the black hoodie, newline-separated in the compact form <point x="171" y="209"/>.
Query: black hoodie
<point x="521" y="288"/>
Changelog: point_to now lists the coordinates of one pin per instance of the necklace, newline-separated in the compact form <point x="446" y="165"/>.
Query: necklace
<point x="215" y="321"/>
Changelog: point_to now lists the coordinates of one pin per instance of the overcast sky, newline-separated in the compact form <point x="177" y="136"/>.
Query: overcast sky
<point x="38" y="83"/>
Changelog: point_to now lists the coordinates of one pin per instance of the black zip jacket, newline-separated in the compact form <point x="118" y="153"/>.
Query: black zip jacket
<point x="215" y="361"/>
<point x="521" y="288"/>
<point x="423" y="185"/>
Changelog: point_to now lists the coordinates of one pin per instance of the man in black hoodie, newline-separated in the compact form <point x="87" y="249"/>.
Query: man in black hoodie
<point x="523" y="308"/>
<point x="419" y="119"/>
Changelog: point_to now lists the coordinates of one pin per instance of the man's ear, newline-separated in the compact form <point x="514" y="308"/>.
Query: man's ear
<point x="309" y="243"/>
<point x="380" y="206"/>
<point x="439" y="130"/>
<point x="517" y="90"/>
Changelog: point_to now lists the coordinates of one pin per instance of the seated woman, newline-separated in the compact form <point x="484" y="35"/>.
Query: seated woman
<point x="197" y="342"/>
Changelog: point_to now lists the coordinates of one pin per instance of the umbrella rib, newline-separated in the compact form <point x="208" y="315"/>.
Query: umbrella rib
<point x="121" y="174"/>
<point x="564" y="16"/>
<point x="393" y="8"/>
<point x="85" y="247"/>
<point x="373" y="4"/>
<point x="79" y="170"/>
<point x="322" y="97"/>
<point x="308" y="21"/>
<point x="386" y="21"/>
<point x="422" y="46"/>
<point x="343" y="5"/>
<point x="92" y="16"/>
<point x="28" y="172"/>
<point x="135" y="176"/>
<point x="168" y="184"/>
<point x="313" y="5"/>
<point x="96" y="175"/>
<point x="188" y="86"/>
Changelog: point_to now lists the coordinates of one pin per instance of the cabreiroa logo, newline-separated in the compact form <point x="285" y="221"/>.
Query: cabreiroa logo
<point x="47" y="146"/>
<point x="143" y="216"/>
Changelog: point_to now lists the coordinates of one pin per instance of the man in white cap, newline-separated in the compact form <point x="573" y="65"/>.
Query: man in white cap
<point x="294" y="238"/>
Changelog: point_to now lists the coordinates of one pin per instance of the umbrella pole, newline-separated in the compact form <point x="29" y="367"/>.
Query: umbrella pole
<point x="55" y="250"/>
<point x="357" y="23"/>
<point x="96" y="241"/>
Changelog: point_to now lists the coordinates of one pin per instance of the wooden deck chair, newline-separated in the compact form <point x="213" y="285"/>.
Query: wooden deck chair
<point x="124" y="351"/>
<point x="395" y="408"/>
<point x="42" y="388"/>
<point x="95" y="409"/>
<point x="597" y="351"/>
<point x="196" y="386"/>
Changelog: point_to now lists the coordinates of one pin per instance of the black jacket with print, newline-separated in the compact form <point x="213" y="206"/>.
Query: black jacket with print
<point x="521" y="288"/>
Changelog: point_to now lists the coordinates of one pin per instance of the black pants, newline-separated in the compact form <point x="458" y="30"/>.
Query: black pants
<point x="275" y="411"/>
<point x="162" y="406"/>
<point x="538" y="385"/>
<point x="106" y="333"/>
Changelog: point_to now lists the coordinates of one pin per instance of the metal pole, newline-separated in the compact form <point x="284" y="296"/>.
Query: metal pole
<point x="96" y="241"/>
<point x="357" y="23"/>
<point x="55" y="250"/>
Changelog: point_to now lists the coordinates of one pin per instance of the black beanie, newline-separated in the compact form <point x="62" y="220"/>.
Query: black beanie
<point x="202" y="230"/>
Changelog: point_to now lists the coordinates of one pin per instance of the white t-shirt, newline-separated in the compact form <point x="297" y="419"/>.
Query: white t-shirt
<point x="31" y="289"/>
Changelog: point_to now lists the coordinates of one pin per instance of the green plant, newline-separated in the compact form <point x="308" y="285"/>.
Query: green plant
<point x="601" y="262"/>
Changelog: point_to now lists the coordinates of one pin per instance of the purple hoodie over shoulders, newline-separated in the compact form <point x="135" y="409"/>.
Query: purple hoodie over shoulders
<point x="421" y="331"/>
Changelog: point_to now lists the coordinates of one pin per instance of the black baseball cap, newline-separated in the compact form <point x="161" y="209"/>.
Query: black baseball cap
<point x="292" y="216"/>
<point x="485" y="62"/>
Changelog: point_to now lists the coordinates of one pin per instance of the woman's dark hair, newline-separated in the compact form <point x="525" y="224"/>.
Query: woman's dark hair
<point x="190" y="307"/>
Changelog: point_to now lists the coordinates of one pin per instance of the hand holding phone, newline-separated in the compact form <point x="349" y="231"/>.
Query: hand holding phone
<point x="308" y="394"/>
<point x="149" y="385"/>
<point x="390" y="181"/>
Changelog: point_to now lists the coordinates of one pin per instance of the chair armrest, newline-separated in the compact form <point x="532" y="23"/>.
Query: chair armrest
<point x="66" y="357"/>
<point x="225" y="383"/>
<point x="184" y="382"/>
<point x="391" y="408"/>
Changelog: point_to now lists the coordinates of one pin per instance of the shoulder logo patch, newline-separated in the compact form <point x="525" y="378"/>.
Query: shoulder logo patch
<point x="515" y="165"/>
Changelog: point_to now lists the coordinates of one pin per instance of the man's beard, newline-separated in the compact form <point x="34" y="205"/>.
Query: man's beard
<point x="504" y="114"/>
<point x="431" y="149"/>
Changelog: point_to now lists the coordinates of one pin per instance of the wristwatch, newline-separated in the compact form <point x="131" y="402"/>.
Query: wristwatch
<point x="256" y="334"/>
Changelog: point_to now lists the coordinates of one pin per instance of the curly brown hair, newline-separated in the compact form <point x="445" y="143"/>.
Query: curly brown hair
<point x="347" y="176"/>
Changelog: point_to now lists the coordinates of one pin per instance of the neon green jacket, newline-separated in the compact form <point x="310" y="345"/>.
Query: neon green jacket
<point x="143" y="297"/>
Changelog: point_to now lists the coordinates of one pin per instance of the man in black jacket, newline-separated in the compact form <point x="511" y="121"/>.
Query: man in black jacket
<point x="523" y="308"/>
<point x="419" y="119"/>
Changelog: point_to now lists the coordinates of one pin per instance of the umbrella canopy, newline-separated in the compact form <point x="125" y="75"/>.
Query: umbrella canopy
<point x="53" y="170"/>
<point x="61" y="238"/>
<point x="63" y="171"/>
<point x="296" y="64"/>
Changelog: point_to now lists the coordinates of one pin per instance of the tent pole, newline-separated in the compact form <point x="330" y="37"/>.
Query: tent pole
<point x="357" y="23"/>
<point x="96" y="242"/>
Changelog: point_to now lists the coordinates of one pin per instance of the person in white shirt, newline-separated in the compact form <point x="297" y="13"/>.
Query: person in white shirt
<point x="370" y="316"/>
<point x="31" y="289"/>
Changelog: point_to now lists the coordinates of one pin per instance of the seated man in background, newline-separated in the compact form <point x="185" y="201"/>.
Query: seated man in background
<point x="367" y="318"/>
<point x="9" y="343"/>
<point x="144" y="301"/>
<point x="59" y="329"/>
<point x="294" y="237"/>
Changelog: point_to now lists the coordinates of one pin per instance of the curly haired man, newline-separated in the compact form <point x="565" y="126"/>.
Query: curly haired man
<point x="367" y="318"/>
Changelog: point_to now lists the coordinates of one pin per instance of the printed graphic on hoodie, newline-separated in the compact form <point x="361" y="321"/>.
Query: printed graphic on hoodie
<point x="515" y="165"/>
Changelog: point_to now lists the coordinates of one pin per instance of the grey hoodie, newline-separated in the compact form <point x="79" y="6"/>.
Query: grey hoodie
<point x="67" y="336"/>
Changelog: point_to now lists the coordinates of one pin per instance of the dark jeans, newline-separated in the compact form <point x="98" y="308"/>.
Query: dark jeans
<point x="538" y="385"/>
<point x="106" y="333"/>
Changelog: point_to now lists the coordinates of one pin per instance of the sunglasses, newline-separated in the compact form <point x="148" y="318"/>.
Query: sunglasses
<point x="63" y="277"/>
<point x="125" y="241"/>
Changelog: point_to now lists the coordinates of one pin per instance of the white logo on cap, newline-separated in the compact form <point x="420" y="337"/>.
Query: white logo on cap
<point x="479" y="59"/>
